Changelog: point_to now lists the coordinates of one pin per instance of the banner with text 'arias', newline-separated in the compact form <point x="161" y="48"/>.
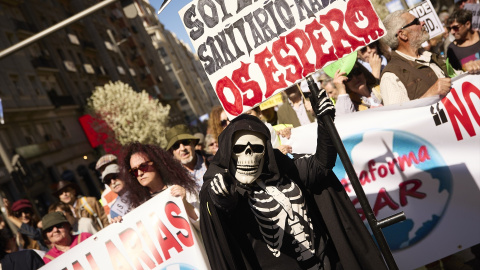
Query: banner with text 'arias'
<point x="253" y="50"/>
<point x="155" y="235"/>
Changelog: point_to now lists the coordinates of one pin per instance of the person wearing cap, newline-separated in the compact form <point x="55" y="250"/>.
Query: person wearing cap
<point x="110" y="178"/>
<point x="21" y="214"/>
<point x="181" y="144"/>
<point x="108" y="197"/>
<point x="79" y="225"/>
<point x="84" y="206"/>
<point x="57" y="230"/>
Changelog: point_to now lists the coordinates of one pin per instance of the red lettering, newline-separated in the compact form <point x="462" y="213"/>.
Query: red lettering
<point x="383" y="200"/>
<point x="468" y="89"/>
<point x="404" y="158"/>
<point x="423" y="154"/>
<point x="242" y="79"/>
<point x="167" y="241"/>
<point x="364" y="178"/>
<point x="268" y="71"/>
<point x="179" y="223"/>
<point x="363" y="8"/>
<point x="382" y="171"/>
<point x="289" y="60"/>
<point x="391" y="165"/>
<point x="346" y="185"/>
<point x="92" y="262"/>
<point x="336" y="15"/>
<point x="371" y="168"/>
<point x="134" y="249"/>
<point x="415" y="184"/>
<point x="302" y="49"/>
<point x="454" y="114"/>
<point x="149" y="242"/>
<point x="77" y="266"/>
<point x="236" y="108"/>
<point x="312" y="30"/>
<point x="116" y="258"/>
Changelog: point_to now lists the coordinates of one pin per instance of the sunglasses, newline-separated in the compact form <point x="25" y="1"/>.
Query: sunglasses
<point x="256" y="148"/>
<point x="415" y="21"/>
<point x="108" y="179"/>
<point x="19" y="212"/>
<point x="371" y="46"/>
<point x="176" y="145"/>
<point x="224" y="122"/>
<point x="354" y="72"/>
<point x="58" y="226"/>
<point x="144" y="167"/>
<point x="455" y="27"/>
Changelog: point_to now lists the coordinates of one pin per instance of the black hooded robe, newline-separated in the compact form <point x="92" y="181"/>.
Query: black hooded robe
<point x="230" y="232"/>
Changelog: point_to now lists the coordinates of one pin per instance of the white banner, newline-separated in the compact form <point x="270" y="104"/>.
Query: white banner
<point x="252" y="50"/>
<point x="156" y="235"/>
<point x="426" y="13"/>
<point x="424" y="161"/>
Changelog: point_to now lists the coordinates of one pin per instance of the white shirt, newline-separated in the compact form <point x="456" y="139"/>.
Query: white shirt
<point x="301" y="112"/>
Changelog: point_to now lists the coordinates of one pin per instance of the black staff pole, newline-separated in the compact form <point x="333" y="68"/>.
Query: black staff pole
<point x="375" y="225"/>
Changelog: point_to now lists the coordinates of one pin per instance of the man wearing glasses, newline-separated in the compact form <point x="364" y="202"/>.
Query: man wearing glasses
<point x="181" y="144"/>
<point x="464" y="50"/>
<point x="121" y="205"/>
<point x="412" y="72"/>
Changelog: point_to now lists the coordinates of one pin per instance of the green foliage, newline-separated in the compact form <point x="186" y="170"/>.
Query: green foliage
<point x="129" y="115"/>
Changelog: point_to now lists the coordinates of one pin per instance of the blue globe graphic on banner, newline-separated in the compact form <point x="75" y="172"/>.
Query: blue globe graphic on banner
<point x="399" y="171"/>
<point x="179" y="266"/>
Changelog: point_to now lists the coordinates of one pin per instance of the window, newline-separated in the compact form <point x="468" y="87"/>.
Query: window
<point x="16" y="84"/>
<point x="62" y="129"/>
<point x="162" y="52"/>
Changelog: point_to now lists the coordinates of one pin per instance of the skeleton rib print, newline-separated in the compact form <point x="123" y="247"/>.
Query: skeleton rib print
<point x="281" y="210"/>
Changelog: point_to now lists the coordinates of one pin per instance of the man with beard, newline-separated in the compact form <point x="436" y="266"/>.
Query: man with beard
<point x="261" y="209"/>
<point x="412" y="72"/>
<point x="181" y="144"/>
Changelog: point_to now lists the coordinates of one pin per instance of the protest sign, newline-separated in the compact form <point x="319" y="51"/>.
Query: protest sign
<point x="426" y="13"/>
<point x="475" y="9"/>
<point x="155" y="235"/>
<point x="252" y="50"/>
<point x="419" y="160"/>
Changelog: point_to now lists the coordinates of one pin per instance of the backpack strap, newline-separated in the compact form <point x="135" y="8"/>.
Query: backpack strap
<point x="89" y="209"/>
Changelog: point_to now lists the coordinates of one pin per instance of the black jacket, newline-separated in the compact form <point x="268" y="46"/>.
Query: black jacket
<point x="231" y="231"/>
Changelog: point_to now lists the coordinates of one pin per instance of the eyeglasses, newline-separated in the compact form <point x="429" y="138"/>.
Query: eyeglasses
<point x="256" y="148"/>
<point x="108" y="179"/>
<point x="415" y="21"/>
<point x="224" y="122"/>
<point x="144" y="167"/>
<point x="455" y="27"/>
<point x="58" y="226"/>
<point x="19" y="212"/>
<point x="176" y="145"/>
<point x="355" y="72"/>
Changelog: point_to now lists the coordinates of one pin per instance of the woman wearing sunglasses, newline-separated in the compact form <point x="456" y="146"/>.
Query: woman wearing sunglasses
<point x="58" y="232"/>
<point x="21" y="214"/>
<point x="357" y="91"/>
<point x="149" y="170"/>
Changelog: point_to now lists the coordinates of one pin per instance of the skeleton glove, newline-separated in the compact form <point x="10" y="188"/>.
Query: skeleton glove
<point x="323" y="106"/>
<point x="222" y="192"/>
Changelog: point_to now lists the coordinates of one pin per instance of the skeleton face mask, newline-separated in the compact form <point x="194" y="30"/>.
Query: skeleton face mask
<point x="247" y="156"/>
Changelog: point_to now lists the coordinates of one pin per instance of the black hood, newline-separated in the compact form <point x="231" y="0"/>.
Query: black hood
<point x="252" y="123"/>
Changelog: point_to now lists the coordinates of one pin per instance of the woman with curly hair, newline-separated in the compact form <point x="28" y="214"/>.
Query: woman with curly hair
<point x="148" y="170"/>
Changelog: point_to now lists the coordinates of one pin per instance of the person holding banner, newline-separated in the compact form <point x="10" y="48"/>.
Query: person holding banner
<point x="57" y="230"/>
<point x="412" y="72"/>
<point x="263" y="210"/>
<point x="149" y="170"/>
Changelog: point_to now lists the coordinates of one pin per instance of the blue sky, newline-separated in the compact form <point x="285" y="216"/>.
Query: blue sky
<point x="170" y="18"/>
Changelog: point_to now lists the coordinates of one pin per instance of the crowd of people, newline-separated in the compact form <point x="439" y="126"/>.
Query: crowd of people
<point x="204" y="168"/>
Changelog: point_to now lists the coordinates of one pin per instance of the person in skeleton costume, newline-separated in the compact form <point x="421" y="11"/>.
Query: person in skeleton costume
<point x="262" y="210"/>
